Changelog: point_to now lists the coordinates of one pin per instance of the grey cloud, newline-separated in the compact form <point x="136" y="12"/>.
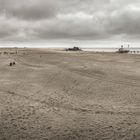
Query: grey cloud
<point x="77" y="28"/>
<point x="75" y="19"/>
<point x="126" y="22"/>
<point x="88" y="6"/>
<point x="6" y="28"/>
<point x="28" y="9"/>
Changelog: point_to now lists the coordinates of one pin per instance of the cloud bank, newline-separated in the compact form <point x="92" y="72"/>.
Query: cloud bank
<point x="69" y="20"/>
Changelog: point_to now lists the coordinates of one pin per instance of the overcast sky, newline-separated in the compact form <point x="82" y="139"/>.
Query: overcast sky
<point x="70" y="22"/>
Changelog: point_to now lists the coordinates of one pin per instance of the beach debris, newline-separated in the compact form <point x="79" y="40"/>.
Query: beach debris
<point x="123" y="50"/>
<point x="5" y="52"/>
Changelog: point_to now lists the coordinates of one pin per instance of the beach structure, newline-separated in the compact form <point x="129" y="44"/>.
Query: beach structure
<point x="73" y="49"/>
<point x="123" y="50"/>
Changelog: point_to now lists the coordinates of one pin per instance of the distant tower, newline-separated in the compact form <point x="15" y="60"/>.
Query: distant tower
<point x="128" y="46"/>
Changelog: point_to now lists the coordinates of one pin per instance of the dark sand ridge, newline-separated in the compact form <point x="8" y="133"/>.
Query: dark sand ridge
<point x="67" y="96"/>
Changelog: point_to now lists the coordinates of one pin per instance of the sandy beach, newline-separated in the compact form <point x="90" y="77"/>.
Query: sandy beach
<point x="58" y="95"/>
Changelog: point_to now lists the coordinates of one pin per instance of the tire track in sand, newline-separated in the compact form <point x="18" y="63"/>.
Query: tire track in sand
<point x="82" y="73"/>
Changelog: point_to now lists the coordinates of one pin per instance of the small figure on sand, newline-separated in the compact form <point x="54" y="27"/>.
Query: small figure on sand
<point x="12" y="63"/>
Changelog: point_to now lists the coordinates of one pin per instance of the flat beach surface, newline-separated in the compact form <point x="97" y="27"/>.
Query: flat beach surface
<point x="57" y="95"/>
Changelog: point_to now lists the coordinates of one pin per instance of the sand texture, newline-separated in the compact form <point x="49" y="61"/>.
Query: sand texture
<point x="56" y="95"/>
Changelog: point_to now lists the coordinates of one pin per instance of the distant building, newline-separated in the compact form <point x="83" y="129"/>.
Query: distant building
<point x="73" y="49"/>
<point x="123" y="50"/>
